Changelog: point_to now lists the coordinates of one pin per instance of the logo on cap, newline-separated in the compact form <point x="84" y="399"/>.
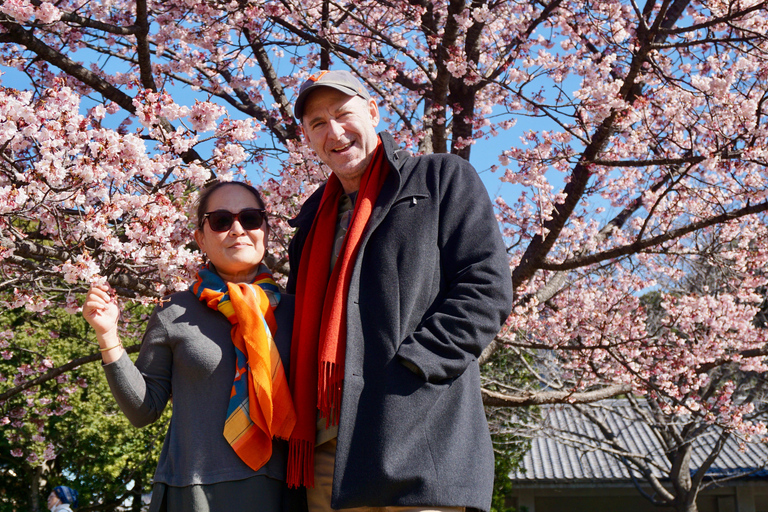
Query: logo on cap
<point x="318" y="76"/>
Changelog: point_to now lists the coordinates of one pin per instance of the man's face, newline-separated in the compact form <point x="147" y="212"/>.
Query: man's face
<point x="341" y="129"/>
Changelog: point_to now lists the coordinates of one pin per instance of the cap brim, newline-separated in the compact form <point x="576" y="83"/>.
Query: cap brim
<point x="298" y="109"/>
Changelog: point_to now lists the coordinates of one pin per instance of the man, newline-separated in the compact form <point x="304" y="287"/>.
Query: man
<point x="401" y="279"/>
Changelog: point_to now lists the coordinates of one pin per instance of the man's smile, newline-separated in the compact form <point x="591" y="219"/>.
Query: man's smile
<point x="342" y="148"/>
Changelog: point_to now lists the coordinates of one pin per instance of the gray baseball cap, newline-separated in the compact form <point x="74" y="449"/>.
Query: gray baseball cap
<point x="340" y="80"/>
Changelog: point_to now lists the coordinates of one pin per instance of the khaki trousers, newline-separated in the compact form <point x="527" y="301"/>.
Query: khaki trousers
<point x="319" y="497"/>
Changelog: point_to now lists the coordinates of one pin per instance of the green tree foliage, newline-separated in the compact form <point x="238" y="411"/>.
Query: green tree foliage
<point x="503" y="373"/>
<point x="509" y="450"/>
<point x="66" y="430"/>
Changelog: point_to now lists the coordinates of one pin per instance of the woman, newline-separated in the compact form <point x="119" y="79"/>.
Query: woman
<point x="211" y="347"/>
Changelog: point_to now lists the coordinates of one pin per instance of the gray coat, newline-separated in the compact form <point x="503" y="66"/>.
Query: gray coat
<point x="431" y="286"/>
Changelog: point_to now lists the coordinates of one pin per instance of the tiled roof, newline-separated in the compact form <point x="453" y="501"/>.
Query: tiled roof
<point x="565" y="449"/>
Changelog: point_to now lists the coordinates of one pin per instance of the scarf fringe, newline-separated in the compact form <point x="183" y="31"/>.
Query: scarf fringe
<point x="301" y="463"/>
<point x="329" y="392"/>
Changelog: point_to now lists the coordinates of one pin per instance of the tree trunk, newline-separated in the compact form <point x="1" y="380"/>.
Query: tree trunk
<point x="34" y="490"/>
<point x="680" y="476"/>
<point x="687" y="502"/>
<point x="138" y="489"/>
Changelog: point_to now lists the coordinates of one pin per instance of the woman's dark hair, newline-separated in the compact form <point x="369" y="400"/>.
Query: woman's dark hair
<point x="210" y="188"/>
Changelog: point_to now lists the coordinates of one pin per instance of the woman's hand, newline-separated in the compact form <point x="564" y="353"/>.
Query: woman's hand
<point x="101" y="311"/>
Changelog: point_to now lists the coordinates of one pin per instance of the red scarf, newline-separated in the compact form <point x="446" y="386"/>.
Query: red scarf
<point x="320" y="331"/>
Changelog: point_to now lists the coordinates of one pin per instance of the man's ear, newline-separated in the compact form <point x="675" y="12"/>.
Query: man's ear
<point x="373" y="110"/>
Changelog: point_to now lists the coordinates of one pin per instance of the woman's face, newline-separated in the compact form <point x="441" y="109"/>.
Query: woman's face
<point x="53" y="500"/>
<point x="235" y="253"/>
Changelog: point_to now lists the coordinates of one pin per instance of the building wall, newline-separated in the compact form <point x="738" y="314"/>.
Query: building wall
<point x="749" y="498"/>
<point x="752" y="498"/>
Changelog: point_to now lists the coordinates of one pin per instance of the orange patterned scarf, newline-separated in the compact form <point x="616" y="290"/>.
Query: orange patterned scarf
<point x="320" y="331"/>
<point x="260" y="405"/>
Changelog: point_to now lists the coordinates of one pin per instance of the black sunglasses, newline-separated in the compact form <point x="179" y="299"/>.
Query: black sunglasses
<point x="222" y="220"/>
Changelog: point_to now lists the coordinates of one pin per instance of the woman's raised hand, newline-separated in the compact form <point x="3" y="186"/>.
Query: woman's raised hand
<point x="101" y="311"/>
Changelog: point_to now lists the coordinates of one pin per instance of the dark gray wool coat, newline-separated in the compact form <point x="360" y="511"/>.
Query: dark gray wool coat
<point x="431" y="286"/>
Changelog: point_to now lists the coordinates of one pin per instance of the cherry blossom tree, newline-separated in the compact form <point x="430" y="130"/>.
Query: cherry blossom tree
<point x="682" y="456"/>
<point x="630" y="140"/>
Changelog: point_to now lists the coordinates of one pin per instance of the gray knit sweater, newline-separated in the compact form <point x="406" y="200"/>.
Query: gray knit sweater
<point x="187" y="351"/>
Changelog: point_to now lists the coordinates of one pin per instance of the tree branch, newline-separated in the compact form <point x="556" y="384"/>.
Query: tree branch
<point x="642" y="245"/>
<point x="120" y="281"/>
<point x="496" y="399"/>
<point x="24" y="38"/>
<point x="55" y="372"/>
<point x="275" y="88"/>
<point x="142" y="46"/>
